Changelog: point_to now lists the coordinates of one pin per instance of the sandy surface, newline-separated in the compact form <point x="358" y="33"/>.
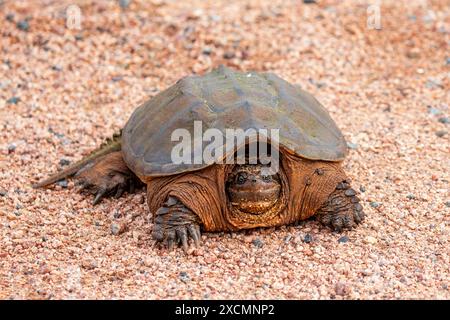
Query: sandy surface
<point x="63" y="91"/>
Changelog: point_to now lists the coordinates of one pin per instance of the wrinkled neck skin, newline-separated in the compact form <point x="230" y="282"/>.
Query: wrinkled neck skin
<point x="252" y="192"/>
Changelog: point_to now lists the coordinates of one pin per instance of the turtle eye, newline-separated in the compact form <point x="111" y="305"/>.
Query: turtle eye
<point x="266" y="178"/>
<point x="241" y="178"/>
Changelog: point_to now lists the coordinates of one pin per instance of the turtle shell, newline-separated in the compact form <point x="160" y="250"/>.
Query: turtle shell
<point x="222" y="99"/>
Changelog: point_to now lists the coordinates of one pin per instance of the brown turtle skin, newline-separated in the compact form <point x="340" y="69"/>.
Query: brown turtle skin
<point x="185" y="199"/>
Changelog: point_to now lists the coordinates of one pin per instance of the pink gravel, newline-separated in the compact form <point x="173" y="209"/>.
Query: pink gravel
<point x="387" y="89"/>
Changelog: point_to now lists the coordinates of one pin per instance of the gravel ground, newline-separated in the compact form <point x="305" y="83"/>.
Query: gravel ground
<point x="63" y="90"/>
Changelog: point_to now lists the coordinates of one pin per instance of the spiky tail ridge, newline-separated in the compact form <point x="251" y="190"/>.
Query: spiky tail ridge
<point x="110" y="145"/>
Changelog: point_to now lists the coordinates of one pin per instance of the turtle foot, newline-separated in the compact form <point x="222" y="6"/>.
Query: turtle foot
<point x="175" y="224"/>
<point x="107" y="176"/>
<point x="342" y="209"/>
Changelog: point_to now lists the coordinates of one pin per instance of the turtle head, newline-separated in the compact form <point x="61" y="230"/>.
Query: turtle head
<point x="251" y="190"/>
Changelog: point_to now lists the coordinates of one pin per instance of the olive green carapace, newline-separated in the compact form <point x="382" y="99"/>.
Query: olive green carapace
<point x="223" y="99"/>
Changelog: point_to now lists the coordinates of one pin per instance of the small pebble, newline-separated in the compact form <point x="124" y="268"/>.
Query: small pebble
<point x="352" y="145"/>
<point x="58" y="135"/>
<point x="184" y="276"/>
<point x="342" y="289"/>
<point x="117" y="228"/>
<point x="56" y="68"/>
<point x="444" y="120"/>
<point x="388" y="108"/>
<point x="371" y="240"/>
<point x="89" y="264"/>
<point x="447" y="61"/>
<point x="343" y="239"/>
<point x="308" y="238"/>
<point x="207" y="51"/>
<point x="10" y="17"/>
<point x="124" y="3"/>
<point x="413" y="53"/>
<point x="278" y="285"/>
<point x="287" y="238"/>
<point x="228" y="55"/>
<point x="411" y="196"/>
<point x="433" y="111"/>
<point x="23" y="25"/>
<point x="362" y="188"/>
<point x="197" y="252"/>
<point x="139" y="198"/>
<point x="309" y="1"/>
<point x="433" y="84"/>
<point x="258" y="243"/>
<point x="3" y="193"/>
<point x="210" y="259"/>
<point x="441" y="133"/>
<point x="62" y="220"/>
<point x="375" y="204"/>
<point x="44" y="269"/>
<point x="64" y="162"/>
<point x="149" y="261"/>
<point x="429" y="17"/>
<point x="447" y="204"/>
<point x="13" y="100"/>
<point x="317" y="84"/>
<point x="12" y="147"/>
<point x="62" y="183"/>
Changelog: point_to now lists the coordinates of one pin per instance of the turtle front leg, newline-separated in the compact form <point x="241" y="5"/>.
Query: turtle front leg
<point x="342" y="209"/>
<point x="175" y="223"/>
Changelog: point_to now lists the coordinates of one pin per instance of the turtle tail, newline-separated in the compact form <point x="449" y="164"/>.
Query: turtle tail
<point x="110" y="145"/>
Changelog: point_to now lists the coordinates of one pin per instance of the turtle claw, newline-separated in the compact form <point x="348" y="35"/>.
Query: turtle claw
<point x="98" y="196"/>
<point x="132" y="186"/>
<point x="120" y="191"/>
<point x="182" y="236"/>
<point x="170" y="244"/>
<point x="194" y="232"/>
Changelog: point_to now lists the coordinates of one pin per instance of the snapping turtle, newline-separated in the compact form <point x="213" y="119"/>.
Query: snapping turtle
<point x="187" y="197"/>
